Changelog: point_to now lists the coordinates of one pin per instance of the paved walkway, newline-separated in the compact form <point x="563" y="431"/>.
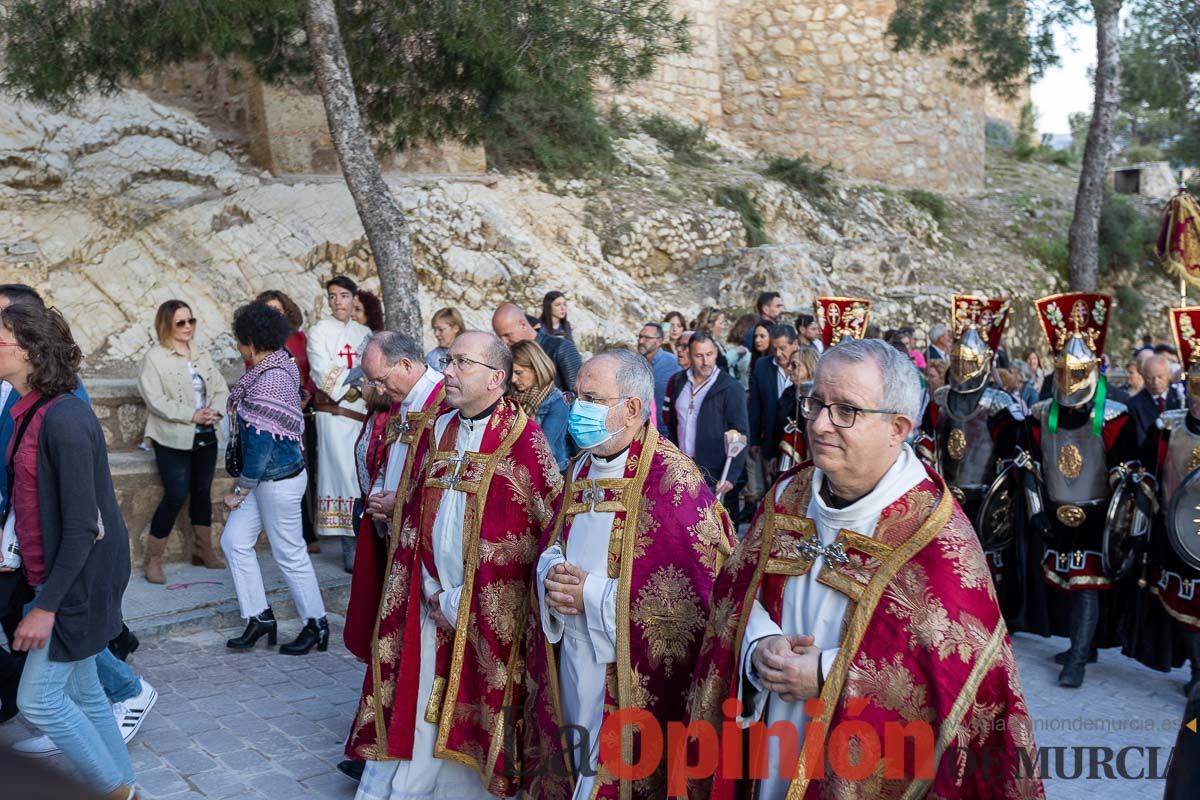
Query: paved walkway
<point x="261" y="725"/>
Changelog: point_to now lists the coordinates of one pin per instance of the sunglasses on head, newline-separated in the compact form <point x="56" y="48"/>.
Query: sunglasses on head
<point x="183" y="323"/>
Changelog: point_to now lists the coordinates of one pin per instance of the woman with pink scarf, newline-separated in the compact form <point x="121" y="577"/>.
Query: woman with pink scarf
<point x="264" y="413"/>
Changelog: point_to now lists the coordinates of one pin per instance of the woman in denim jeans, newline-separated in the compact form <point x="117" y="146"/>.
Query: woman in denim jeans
<point x="74" y="547"/>
<point x="265" y="408"/>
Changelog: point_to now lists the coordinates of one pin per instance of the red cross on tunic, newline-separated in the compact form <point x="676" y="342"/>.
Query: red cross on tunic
<point x="348" y="352"/>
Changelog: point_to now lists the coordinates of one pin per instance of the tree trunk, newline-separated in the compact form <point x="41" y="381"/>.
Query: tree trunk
<point x="1084" y="240"/>
<point x="385" y="225"/>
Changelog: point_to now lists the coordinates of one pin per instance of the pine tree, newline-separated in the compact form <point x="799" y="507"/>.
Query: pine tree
<point x="1005" y="43"/>
<point x="517" y="76"/>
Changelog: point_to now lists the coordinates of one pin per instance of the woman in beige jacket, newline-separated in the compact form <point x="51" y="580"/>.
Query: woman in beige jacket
<point x="185" y="398"/>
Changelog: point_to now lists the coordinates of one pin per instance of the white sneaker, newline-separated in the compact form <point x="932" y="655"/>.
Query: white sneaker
<point x="37" y="747"/>
<point x="131" y="713"/>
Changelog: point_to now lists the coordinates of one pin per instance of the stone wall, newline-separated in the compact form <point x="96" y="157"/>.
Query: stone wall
<point x="820" y="78"/>
<point x="688" y="85"/>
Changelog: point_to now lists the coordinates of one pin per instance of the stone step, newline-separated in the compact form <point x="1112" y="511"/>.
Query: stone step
<point x="195" y="598"/>
<point x="120" y="409"/>
<point x="138" y="488"/>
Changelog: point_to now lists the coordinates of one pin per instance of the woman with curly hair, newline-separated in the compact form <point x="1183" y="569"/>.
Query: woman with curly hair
<point x="368" y="310"/>
<point x="74" y="547"/>
<point x="264" y="412"/>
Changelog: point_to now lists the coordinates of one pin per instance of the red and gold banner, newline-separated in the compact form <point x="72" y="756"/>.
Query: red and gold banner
<point x="1185" y="325"/>
<point x="1082" y="314"/>
<point x="841" y="317"/>
<point x="989" y="317"/>
<point x="1178" y="244"/>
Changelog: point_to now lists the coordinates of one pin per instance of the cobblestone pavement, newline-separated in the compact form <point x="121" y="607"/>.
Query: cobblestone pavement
<point x="261" y="725"/>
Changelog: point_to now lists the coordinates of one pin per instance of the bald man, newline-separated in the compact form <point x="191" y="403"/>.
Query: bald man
<point x="1157" y="395"/>
<point x="512" y="326"/>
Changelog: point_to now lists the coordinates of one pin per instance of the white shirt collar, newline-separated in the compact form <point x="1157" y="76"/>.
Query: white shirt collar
<point x="422" y="389"/>
<point x="862" y="515"/>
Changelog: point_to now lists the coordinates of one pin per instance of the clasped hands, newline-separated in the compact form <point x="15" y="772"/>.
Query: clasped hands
<point x="564" y="589"/>
<point x="787" y="665"/>
<point x="206" y="416"/>
<point x="380" y="506"/>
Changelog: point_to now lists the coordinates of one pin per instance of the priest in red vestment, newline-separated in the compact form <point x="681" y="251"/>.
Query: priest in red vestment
<point x="451" y="636"/>
<point x="623" y="587"/>
<point x="855" y="645"/>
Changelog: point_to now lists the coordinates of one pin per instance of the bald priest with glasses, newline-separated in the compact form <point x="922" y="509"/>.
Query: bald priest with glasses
<point x="860" y="601"/>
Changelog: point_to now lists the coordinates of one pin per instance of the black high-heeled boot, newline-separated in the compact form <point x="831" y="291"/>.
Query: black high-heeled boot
<point x="259" y="625"/>
<point x="314" y="632"/>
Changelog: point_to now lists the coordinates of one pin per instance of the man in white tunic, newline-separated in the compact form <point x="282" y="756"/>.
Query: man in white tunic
<point x="628" y="479"/>
<point x="488" y="484"/>
<point x="334" y="348"/>
<point x="863" y="586"/>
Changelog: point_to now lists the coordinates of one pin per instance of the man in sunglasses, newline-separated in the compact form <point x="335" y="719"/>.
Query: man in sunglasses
<point x="862" y="586"/>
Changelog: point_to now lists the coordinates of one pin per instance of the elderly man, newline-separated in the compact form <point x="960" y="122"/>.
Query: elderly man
<point x="861" y="585"/>
<point x="393" y="363"/>
<point x="512" y="325"/>
<point x="629" y="487"/>
<point x="1157" y="395"/>
<point x="334" y="347"/>
<point x="707" y="403"/>
<point x="941" y="339"/>
<point x="468" y="538"/>
<point x="662" y="364"/>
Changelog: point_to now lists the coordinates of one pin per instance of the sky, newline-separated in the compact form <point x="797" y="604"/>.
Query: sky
<point x="1066" y="89"/>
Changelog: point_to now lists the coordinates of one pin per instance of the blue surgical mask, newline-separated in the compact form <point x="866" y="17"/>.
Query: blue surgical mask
<point x="587" y="424"/>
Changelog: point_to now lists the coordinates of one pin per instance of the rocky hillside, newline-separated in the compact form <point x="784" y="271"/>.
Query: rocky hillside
<point x="124" y="203"/>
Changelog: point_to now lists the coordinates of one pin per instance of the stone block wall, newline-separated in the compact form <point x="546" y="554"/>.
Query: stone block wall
<point x="820" y="78"/>
<point x="689" y="84"/>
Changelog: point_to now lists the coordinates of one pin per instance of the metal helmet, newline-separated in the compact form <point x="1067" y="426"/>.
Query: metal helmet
<point x="970" y="366"/>
<point x="1076" y="373"/>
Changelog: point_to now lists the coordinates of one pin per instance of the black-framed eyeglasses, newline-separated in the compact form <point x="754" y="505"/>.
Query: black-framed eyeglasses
<point x="460" y="361"/>
<point x="571" y="397"/>
<point x="842" y="415"/>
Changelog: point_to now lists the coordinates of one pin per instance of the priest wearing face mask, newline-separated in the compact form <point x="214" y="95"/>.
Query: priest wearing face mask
<point x="862" y="586"/>
<point x="637" y="529"/>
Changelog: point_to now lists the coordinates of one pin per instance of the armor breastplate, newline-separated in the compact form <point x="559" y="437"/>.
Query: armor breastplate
<point x="1075" y="465"/>
<point x="1183" y="456"/>
<point x="967" y="448"/>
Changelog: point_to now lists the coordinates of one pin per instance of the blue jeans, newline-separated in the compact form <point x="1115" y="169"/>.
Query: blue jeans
<point x="65" y="701"/>
<point x="118" y="680"/>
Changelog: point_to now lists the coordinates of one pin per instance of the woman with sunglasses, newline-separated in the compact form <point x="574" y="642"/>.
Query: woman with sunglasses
<point x="185" y="396"/>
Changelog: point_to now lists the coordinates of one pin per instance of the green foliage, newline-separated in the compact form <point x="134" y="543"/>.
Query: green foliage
<point x="1141" y="152"/>
<point x="998" y="133"/>
<point x="996" y="43"/>
<point x="1063" y="158"/>
<point x="801" y="174"/>
<point x="1080" y="122"/>
<point x="931" y="202"/>
<point x="688" y="143"/>
<point x="554" y="139"/>
<point x="477" y="72"/>
<point x="1050" y="250"/>
<point x="1129" y="317"/>
<point x="1024" y="148"/>
<point x="738" y="200"/>
<point x="1126" y="234"/>
<point x="1160" y="96"/>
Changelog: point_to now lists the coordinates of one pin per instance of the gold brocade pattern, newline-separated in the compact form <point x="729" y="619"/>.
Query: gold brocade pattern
<point x="680" y="476"/>
<point x="956" y="446"/>
<point x="892" y="685"/>
<point x="497" y="601"/>
<point x="669" y="611"/>
<point x="1070" y="462"/>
